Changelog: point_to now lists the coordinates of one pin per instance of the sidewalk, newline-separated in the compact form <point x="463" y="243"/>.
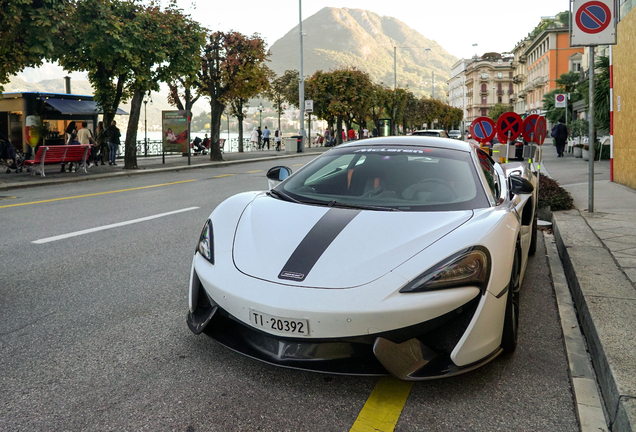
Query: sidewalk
<point x="598" y="251"/>
<point x="147" y="165"/>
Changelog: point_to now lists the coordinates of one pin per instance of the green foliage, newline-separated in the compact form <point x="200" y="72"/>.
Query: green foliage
<point x="579" y="127"/>
<point x="232" y="66"/>
<point x="602" y="96"/>
<point x="29" y="30"/>
<point x="567" y="83"/>
<point x="496" y="111"/>
<point x="553" y="195"/>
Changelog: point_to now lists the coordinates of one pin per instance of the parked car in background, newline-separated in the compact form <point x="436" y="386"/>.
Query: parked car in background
<point x="455" y="134"/>
<point x="441" y="133"/>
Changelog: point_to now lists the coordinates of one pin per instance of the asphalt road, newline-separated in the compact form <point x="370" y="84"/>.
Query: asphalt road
<point x="93" y="334"/>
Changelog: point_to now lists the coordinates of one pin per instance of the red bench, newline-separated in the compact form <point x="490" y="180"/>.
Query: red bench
<point x="59" y="154"/>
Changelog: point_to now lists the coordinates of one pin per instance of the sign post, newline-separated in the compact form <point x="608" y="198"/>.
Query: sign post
<point x="592" y="23"/>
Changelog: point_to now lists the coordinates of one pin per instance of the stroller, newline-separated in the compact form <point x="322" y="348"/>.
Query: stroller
<point x="10" y="158"/>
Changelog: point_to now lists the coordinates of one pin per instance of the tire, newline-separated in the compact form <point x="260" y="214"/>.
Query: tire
<point x="511" y="320"/>
<point x="533" y="242"/>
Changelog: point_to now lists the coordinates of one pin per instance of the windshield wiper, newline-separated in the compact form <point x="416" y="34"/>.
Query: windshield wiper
<point x="283" y="196"/>
<point x="359" y="206"/>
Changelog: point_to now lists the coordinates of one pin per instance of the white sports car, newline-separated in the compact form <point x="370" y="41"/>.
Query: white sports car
<point x="400" y="255"/>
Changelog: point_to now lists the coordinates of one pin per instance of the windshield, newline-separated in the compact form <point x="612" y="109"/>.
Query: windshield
<point x="400" y="178"/>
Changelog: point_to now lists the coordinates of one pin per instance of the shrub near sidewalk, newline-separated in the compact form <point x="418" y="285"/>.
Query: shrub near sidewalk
<point x="554" y="196"/>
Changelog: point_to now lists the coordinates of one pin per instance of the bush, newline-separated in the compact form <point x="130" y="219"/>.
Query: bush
<point x="553" y="195"/>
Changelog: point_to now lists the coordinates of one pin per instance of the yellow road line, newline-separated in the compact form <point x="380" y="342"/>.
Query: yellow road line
<point x="255" y="171"/>
<point x="384" y="406"/>
<point x="95" y="194"/>
<point x="223" y="175"/>
<point x="298" y="165"/>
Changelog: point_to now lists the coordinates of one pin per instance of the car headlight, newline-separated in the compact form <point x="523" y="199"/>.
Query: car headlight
<point x="468" y="267"/>
<point x="206" y="246"/>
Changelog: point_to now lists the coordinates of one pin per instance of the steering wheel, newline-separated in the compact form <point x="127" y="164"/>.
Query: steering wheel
<point x="445" y="189"/>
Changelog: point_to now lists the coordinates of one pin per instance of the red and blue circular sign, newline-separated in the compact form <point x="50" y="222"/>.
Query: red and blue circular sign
<point x="483" y="129"/>
<point x="528" y="127"/>
<point x="509" y="126"/>
<point x="560" y="98"/>
<point x="540" y="130"/>
<point x="593" y="17"/>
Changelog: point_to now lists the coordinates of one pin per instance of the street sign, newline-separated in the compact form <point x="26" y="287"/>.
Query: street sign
<point x="592" y="23"/>
<point x="309" y="106"/>
<point x="483" y="129"/>
<point x="540" y="130"/>
<point x="509" y="126"/>
<point x="528" y="127"/>
<point x="560" y="101"/>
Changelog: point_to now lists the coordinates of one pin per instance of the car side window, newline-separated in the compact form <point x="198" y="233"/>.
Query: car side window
<point x="489" y="171"/>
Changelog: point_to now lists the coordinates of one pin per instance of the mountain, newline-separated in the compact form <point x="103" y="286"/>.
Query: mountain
<point x="342" y="37"/>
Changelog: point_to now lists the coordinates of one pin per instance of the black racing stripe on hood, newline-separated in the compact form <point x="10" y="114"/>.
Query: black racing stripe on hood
<point x="317" y="240"/>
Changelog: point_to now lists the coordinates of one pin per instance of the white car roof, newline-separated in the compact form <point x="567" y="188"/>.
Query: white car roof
<point x="414" y="140"/>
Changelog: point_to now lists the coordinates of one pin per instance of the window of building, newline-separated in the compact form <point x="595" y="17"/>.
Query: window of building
<point x="483" y="100"/>
<point x="484" y="87"/>
<point x="499" y="75"/>
<point x="484" y="112"/>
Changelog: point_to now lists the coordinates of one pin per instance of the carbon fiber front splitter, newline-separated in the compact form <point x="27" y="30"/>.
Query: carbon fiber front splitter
<point x="415" y="353"/>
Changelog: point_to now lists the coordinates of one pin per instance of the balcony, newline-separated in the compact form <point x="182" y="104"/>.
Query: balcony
<point x="514" y="63"/>
<point x="469" y="93"/>
<point x="528" y="87"/>
<point x="483" y="93"/>
<point x="500" y="92"/>
<point x="523" y="58"/>
<point x="539" y="82"/>
<point x="519" y="78"/>
<point x="484" y="77"/>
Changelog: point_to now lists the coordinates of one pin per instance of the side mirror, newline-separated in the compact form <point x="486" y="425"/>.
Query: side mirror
<point x="277" y="174"/>
<point x="520" y="185"/>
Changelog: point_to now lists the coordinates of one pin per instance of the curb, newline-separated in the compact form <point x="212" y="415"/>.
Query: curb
<point x="140" y="171"/>
<point x="586" y="261"/>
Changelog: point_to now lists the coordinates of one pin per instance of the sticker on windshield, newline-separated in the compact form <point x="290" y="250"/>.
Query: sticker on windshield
<point x="388" y="150"/>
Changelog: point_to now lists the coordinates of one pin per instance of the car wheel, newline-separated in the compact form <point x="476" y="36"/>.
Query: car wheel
<point x="533" y="239"/>
<point x="511" y="320"/>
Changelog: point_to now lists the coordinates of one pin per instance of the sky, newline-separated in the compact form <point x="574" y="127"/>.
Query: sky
<point x="494" y="25"/>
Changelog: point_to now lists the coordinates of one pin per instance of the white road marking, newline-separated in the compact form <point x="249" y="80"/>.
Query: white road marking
<point x="105" y="227"/>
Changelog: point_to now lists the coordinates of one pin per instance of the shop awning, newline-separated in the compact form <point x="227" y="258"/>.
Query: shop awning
<point x="74" y="106"/>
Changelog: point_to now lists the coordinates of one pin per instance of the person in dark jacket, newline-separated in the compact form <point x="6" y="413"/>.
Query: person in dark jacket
<point x="560" y="135"/>
<point x="113" y="135"/>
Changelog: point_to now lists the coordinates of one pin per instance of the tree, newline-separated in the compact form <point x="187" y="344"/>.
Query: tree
<point x="602" y="95"/>
<point x="229" y="61"/>
<point x="281" y="88"/>
<point x="236" y="108"/>
<point x="496" y="111"/>
<point x="29" y="30"/>
<point x="127" y="49"/>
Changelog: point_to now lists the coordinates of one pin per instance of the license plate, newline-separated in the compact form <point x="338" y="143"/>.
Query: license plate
<point x="286" y="326"/>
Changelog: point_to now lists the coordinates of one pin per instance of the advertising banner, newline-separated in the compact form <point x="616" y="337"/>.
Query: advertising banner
<point x="175" y="131"/>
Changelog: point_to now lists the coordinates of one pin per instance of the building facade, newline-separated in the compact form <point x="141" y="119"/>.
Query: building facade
<point x="488" y="82"/>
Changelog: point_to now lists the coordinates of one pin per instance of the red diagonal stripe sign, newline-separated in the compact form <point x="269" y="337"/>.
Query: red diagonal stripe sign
<point x="509" y="126"/>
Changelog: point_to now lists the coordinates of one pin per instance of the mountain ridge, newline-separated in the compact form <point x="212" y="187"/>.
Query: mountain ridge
<point x="344" y="37"/>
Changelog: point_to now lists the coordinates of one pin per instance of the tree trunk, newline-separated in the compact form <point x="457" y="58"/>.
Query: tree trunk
<point x="338" y="130"/>
<point x="130" y="155"/>
<point x="216" y="111"/>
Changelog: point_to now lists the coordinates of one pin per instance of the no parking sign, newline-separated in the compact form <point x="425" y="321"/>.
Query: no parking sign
<point x="592" y="23"/>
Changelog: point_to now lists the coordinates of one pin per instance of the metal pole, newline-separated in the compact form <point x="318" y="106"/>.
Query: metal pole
<point x="433" y="86"/>
<point x="301" y="80"/>
<point x="393" y="125"/>
<point x="145" y="128"/>
<point x="590" y="202"/>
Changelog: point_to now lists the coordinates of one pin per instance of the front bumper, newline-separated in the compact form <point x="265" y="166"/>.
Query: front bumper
<point x="417" y="352"/>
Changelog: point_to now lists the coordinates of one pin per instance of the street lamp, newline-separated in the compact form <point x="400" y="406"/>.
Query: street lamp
<point x="260" y="118"/>
<point x="146" y="99"/>
<point x="395" y="47"/>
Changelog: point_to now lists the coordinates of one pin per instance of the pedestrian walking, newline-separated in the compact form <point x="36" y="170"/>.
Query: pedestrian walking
<point x="260" y="134"/>
<point x="351" y="135"/>
<point x="365" y="132"/>
<point x="266" y="138"/>
<point x="102" y="145"/>
<point x="560" y="135"/>
<point x="85" y="137"/>
<point x="277" y="135"/>
<point x="254" y="139"/>
<point x="113" y="135"/>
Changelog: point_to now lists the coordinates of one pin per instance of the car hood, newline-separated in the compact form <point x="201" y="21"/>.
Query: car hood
<point x="322" y="247"/>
